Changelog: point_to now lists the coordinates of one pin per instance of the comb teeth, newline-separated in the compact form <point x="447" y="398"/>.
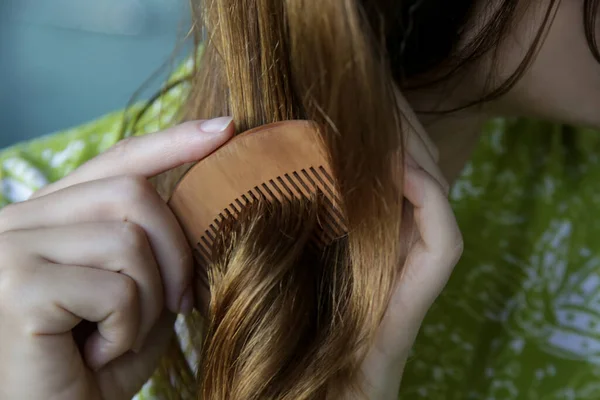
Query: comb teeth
<point x="297" y="184"/>
<point x="222" y="185"/>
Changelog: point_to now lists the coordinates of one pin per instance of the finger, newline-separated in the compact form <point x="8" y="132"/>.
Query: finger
<point x="433" y="214"/>
<point x="420" y="146"/>
<point x="417" y="128"/>
<point x="112" y="246"/>
<point x="117" y="199"/>
<point x="428" y="264"/>
<point x="55" y="298"/>
<point x="152" y="154"/>
<point x="416" y="148"/>
<point x="431" y="259"/>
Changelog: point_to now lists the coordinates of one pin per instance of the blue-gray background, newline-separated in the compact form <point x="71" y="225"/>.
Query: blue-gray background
<point x="65" y="62"/>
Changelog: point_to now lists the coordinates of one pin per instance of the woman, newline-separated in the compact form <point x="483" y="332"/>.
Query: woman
<point x="508" y="42"/>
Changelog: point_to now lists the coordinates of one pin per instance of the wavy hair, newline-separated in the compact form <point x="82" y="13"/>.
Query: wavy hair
<point x="286" y="321"/>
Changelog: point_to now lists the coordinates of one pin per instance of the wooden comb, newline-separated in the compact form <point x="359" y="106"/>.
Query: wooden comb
<point x="274" y="163"/>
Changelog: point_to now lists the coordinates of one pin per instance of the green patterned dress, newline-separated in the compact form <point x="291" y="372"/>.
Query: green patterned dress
<point x="520" y="317"/>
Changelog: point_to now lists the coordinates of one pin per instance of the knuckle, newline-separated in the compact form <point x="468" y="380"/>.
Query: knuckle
<point x="460" y="243"/>
<point x="124" y="293"/>
<point x="134" y="189"/>
<point x="456" y="248"/>
<point x="132" y="237"/>
<point x="450" y="252"/>
<point x="459" y="249"/>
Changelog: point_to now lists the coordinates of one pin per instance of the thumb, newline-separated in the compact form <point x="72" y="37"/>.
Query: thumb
<point x="152" y="154"/>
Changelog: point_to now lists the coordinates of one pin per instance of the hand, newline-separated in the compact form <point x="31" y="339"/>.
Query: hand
<point x="434" y="247"/>
<point x="99" y="248"/>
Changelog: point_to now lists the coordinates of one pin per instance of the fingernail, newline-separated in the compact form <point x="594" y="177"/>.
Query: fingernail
<point x="216" y="125"/>
<point x="187" y="301"/>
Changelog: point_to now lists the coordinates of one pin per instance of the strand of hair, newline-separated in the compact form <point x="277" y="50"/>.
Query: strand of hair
<point x="209" y="233"/>
<point x="203" y="251"/>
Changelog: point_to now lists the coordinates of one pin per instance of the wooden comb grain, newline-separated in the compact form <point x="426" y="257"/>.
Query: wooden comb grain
<point x="273" y="163"/>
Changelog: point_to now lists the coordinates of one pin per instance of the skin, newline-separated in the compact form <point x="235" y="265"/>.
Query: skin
<point x="562" y="84"/>
<point x="101" y="245"/>
<point x="52" y="274"/>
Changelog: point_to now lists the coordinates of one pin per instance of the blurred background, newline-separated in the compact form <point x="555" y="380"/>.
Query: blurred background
<point x="66" y="62"/>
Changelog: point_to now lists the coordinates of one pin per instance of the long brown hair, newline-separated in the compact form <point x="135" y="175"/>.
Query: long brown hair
<point x="286" y="322"/>
<point x="280" y="325"/>
<point x="407" y="27"/>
